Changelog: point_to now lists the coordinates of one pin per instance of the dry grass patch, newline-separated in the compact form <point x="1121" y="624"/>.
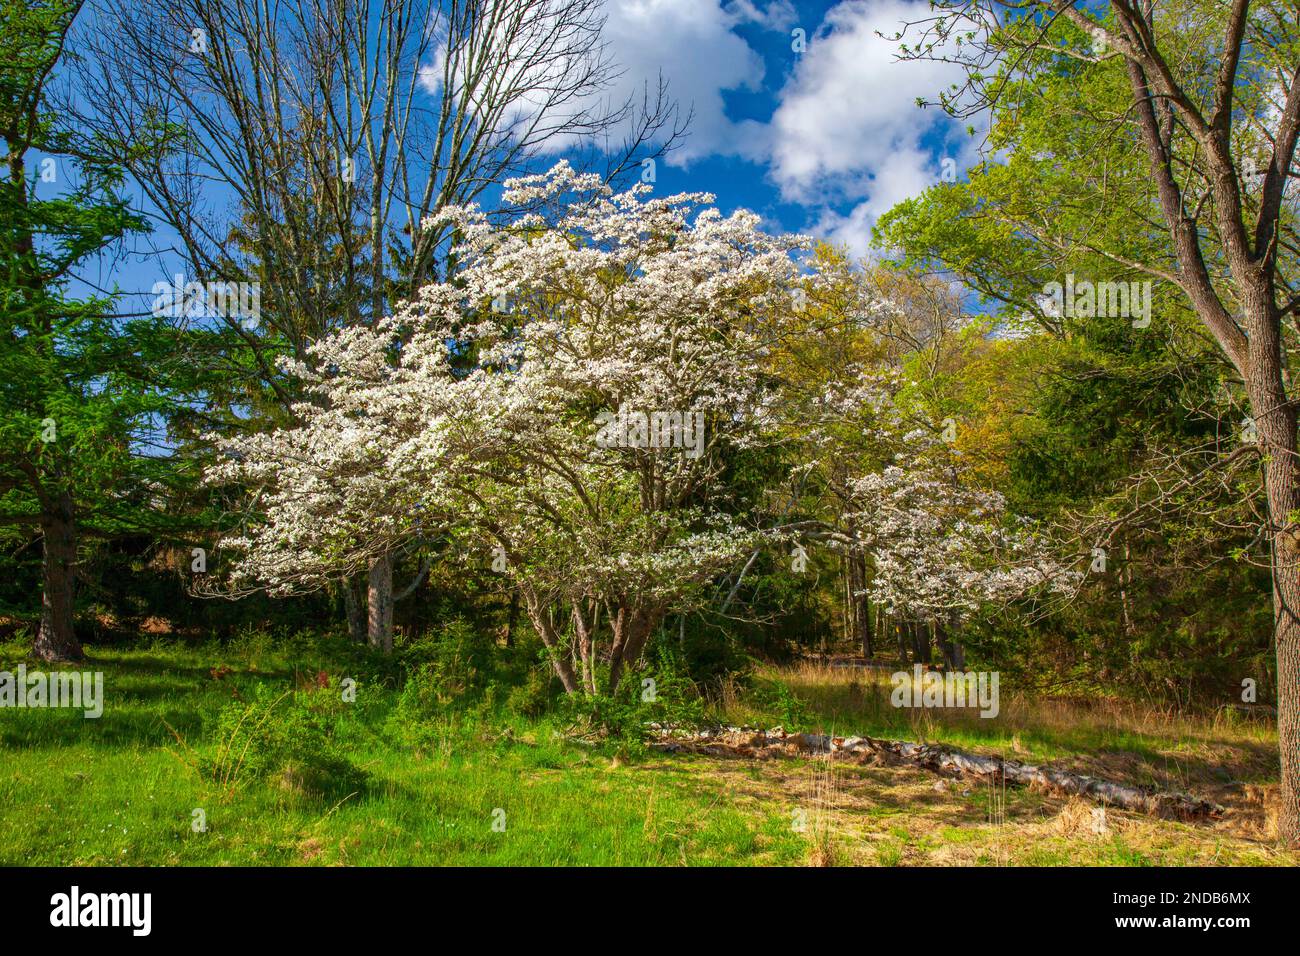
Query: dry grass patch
<point x="880" y="815"/>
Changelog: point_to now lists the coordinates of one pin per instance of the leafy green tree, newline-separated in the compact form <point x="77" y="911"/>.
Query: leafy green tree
<point x="82" y="443"/>
<point x="1156" y="141"/>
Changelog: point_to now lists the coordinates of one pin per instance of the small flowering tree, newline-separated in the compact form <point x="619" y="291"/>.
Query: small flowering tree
<point x="876" y="481"/>
<point x="939" y="547"/>
<point x="562" y="406"/>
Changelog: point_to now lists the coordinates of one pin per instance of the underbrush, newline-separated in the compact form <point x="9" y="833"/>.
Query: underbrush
<point x="289" y="738"/>
<point x="657" y="695"/>
<point x="307" y="749"/>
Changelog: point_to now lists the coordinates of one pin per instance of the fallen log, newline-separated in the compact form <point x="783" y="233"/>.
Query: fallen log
<point x="941" y="759"/>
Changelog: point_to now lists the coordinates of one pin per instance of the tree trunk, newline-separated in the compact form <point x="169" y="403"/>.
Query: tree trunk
<point x="954" y="657"/>
<point x="1256" y="351"/>
<point x="1275" y="422"/>
<point x="920" y="643"/>
<point x="56" y="641"/>
<point x="867" y="630"/>
<point x="850" y="630"/>
<point x="586" y="647"/>
<point x="1125" y="581"/>
<point x="380" y="603"/>
<point x="355" y="607"/>
<point x="632" y="629"/>
<point x="512" y="619"/>
<point x="541" y="619"/>
<point x="860" y="607"/>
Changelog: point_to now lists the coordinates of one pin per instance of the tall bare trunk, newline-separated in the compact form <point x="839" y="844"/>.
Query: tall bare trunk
<point x="954" y="655"/>
<point x="56" y="640"/>
<point x="380" y="600"/>
<point x="1275" y="422"/>
<point x="354" y="605"/>
<point x="920" y="642"/>
<point x="859" y="604"/>
<point x="1286" y="603"/>
<point x="512" y="619"/>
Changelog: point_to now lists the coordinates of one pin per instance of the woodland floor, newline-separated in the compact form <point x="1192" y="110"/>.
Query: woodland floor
<point x="124" y="789"/>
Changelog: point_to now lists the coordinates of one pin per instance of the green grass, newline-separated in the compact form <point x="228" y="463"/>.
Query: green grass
<point x="122" y="789"/>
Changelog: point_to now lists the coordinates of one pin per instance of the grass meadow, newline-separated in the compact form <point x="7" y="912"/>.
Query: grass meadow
<point x="247" y="753"/>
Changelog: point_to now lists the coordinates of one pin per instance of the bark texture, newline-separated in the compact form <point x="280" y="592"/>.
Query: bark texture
<point x="354" y="604"/>
<point x="56" y="640"/>
<point x="380" y="603"/>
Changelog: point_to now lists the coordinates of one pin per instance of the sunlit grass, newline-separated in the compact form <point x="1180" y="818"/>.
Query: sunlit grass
<point x="119" y="790"/>
<point x="1155" y="741"/>
<point x="481" y="786"/>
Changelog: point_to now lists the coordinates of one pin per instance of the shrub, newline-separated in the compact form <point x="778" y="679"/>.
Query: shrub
<point x="701" y="646"/>
<point x="659" y="693"/>
<point x="283" y="736"/>
<point x="535" y="696"/>
<point x="776" y="697"/>
<point x="423" y="695"/>
<point x="457" y="660"/>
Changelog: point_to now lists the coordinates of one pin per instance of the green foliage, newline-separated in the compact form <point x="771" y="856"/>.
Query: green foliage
<point x="459" y="669"/>
<point x="537" y="694"/>
<point x="775" y="697"/>
<point x="85" y="394"/>
<point x="454" y="661"/>
<point x="1101" y="412"/>
<point x="714" y="651"/>
<point x="660" y="693"/>
<point x="282" y="736"/>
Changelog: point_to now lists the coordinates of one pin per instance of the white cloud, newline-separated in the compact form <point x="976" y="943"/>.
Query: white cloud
<point x="776" y="15"/>
<point x="847" y="128"/>
<point x="902" y="174"/>
<point x="692" y="43"/>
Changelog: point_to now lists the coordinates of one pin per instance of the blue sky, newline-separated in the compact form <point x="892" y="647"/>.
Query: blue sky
<point x="820" y="140"/>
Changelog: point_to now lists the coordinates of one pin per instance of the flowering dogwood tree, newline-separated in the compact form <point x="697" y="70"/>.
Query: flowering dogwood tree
<point x="921" y="538"/>
<point x="562" y="406"/>
<point x="941" y="548"/>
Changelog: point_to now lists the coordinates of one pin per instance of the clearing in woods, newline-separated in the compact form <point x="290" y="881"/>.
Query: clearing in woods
<point x="482" y="785"/>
